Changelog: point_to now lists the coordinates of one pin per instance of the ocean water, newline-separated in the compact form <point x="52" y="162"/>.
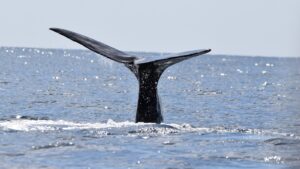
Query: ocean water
<point x="75" y="109"/>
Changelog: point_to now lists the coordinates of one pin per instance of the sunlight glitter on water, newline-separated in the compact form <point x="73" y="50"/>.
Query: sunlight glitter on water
<point x="219" y="111"/>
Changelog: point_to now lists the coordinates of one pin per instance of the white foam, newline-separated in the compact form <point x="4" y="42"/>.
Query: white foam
<point x="54" y="125"/>
<point x="276" y="159"/>
<point x="48" y="125"/>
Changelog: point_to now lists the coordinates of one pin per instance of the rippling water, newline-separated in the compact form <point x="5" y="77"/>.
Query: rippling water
<point x="75" y="109"/>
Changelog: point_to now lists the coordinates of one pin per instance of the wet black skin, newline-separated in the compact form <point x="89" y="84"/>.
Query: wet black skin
<point x="148" y="108"/>
<point x="146" y="72"/>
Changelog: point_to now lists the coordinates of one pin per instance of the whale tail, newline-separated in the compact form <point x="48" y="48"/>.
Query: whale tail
<point x="146" y="71"/>
<point x="96" y="46"/>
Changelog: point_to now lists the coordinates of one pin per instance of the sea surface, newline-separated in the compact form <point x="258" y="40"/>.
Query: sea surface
<point x="62" y="109"/>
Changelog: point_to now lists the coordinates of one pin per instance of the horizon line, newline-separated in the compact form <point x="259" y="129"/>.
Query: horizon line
<point x="217" y="54"/>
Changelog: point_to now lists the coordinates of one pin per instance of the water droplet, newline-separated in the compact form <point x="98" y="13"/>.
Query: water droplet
<point x="263" y="72"/>
<point x="56" y="77"/>
<point x="265" y="83"/>
<point x="171" y="77"/>
<point x="239" y="70"/>
<point x="21" y="56"/>
<point x="168" y="143"/>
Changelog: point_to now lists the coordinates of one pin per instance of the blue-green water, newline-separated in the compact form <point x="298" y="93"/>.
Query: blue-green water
<point x="76" y="109"/>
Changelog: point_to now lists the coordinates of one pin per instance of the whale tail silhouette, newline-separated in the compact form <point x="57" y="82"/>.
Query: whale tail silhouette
<point x="146" y="71"/>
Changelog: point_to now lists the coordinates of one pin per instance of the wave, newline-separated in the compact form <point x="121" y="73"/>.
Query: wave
<point x="28" y="124"/>
<point x="43" y="124"/>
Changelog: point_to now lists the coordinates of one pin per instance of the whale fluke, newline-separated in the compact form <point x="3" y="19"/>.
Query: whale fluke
<point x="96" y="46"/>
<point x="147" y="72"/>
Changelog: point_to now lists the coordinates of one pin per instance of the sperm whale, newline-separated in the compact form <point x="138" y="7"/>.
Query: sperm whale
<point x="146" y="71"/>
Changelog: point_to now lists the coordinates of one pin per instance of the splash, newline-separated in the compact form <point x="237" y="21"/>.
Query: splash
<point x="42" y="124"/>
<point x="53" y="125"/>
